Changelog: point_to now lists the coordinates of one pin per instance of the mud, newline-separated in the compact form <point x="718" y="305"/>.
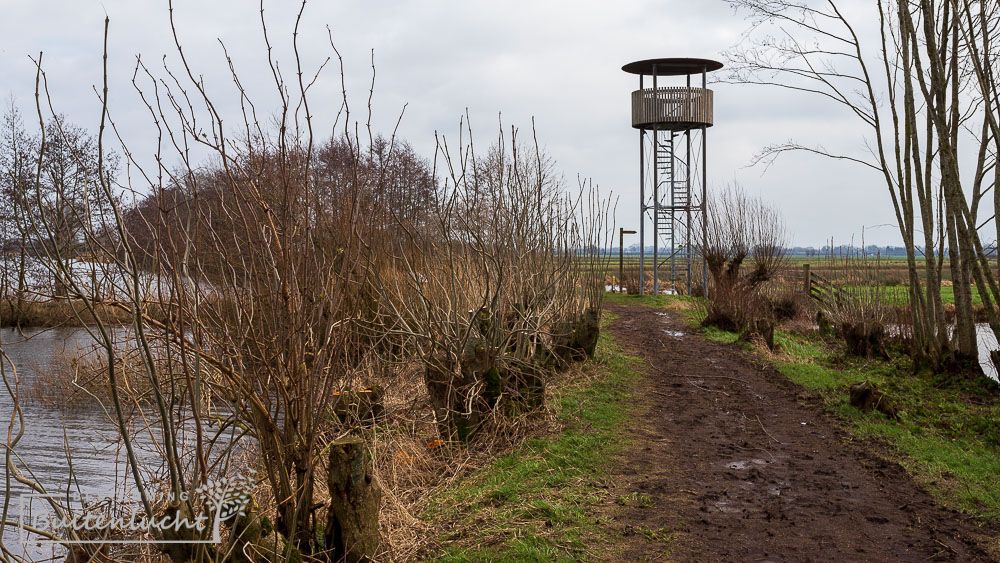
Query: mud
<point x="741" y="465"/>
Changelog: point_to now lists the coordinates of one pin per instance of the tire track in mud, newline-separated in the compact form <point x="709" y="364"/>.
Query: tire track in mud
<point x="740" y="465"/>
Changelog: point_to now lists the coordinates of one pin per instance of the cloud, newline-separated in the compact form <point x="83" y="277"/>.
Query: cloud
<point x="557" y="61"/>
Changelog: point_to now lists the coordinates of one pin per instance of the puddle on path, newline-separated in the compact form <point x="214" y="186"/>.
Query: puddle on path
<point x="724" y="506"/>
<point x="741" y="465"/>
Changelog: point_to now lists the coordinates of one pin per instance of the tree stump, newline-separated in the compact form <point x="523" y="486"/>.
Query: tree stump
<point x="352" y="526"/>
<point x="823" y="324"/>
<point x="865" y="340"/>
<point x="576" y="341"/>
<point x="179" y="544"/>
<point x="563" y="337"/>
<point x="866" y="397"/>
<point x="588" y="330"/>
<point x="995" y="358"/>
<point x="529" y="387"/>
<point x="762" y="328"/>
<point x="362" y="407"/>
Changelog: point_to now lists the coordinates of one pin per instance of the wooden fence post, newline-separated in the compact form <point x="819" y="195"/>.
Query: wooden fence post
<point x="806" y="279"/>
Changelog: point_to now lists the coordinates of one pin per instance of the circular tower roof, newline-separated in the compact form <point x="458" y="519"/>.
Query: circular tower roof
<point x="672" y="67"/>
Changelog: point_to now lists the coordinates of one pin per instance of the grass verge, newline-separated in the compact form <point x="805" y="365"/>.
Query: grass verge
<point x="900" y="295"/>
<point x="947" y="435"/>
<point x="543" y="502"/>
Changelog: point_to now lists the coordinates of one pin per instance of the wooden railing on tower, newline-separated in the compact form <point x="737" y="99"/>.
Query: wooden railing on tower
<point x="672" y="108"/>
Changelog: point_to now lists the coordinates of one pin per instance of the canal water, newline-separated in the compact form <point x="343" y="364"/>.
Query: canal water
<point x="66" y="450"/>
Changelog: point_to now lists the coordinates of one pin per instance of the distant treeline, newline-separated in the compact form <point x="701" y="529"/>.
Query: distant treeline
<point x="839" y="250"/>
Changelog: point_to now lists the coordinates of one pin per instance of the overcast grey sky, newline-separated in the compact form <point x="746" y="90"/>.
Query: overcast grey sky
<point x="558" y="61"/>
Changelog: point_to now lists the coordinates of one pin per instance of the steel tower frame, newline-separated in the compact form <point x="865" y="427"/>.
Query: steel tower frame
<point x="670" y="122"/>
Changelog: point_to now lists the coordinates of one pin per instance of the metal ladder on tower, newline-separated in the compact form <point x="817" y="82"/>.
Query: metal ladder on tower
<point x="675" y="198"/>
<point x="681" y="202"/>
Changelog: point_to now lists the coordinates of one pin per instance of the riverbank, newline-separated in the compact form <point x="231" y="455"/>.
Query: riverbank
<point x="57" y="313"/>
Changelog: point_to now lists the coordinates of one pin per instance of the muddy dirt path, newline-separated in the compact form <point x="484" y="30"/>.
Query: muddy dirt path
<point x="747" y="468"/>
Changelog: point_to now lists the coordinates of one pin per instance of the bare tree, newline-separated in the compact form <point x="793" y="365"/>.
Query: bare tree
<point x="922" y="87"/>
<point x="501" y="286"/>
<point x="743" y="245"/>
<point x="16" y="162"/>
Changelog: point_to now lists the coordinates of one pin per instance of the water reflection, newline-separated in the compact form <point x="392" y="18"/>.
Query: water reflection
<point x="84" y="438"/>
<point x="49" y="433"/>
<point x="987" y="342"/>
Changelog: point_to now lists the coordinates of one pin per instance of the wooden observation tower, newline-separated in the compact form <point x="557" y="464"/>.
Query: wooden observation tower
<point x="673" y="122"/>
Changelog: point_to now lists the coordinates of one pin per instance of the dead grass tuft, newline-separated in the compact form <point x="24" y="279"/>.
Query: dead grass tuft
<point x="413" y="466"/>
<point x="57" y="312"/>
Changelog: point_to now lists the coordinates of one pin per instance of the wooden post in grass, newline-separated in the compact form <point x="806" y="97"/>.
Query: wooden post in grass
<point x="621" y="255"/>
<point x="352" y="528"/>
<point x="806" y="280"/>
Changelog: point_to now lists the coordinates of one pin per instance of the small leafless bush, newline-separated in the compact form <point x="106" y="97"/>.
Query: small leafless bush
<point x="859" y="307"/>
<point x="892" y="278"/>
<point x="503" y="284"/>
<point x="786" y="306"/>
<point x="744" y="247"/>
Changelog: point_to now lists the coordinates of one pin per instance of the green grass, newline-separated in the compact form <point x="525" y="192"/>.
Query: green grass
<point x="635" y="499"/>
<point x="799" y="259"/>
<point x="900" y="295"/>
<point x="657" y="301"/>
<point x="895" y="294"/>
<point x="948" y="432"/>
<point x="541" y="503"/>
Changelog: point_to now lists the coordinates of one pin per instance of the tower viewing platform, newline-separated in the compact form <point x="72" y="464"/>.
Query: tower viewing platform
<point x="672" y="108"/>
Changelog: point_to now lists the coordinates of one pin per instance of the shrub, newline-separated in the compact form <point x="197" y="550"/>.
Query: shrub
<point x="743" y="247"/>
<point x="860" y="308"/>
<point x="786" y="307"/>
